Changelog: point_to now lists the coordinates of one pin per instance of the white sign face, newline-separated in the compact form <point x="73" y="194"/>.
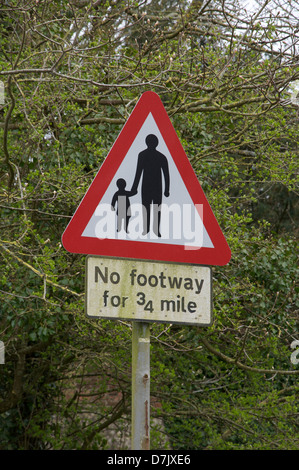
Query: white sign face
<point x="148" y="291"/>
<point x="180" y="222"/>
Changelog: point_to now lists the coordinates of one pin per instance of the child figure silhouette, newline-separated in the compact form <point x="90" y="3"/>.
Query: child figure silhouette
<point x="121" y="200"/>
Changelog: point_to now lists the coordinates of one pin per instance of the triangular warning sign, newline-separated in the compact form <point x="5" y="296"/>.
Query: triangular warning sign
<point x="145" y="201"/>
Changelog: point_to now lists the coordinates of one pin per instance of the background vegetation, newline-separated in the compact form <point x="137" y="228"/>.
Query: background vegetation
<point x="72" y="73"/>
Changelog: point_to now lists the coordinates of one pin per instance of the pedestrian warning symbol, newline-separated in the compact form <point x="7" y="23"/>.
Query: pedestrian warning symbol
<point x="146" y="202"/>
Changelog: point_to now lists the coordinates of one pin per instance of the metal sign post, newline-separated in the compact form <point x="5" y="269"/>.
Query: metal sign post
<point x="140" y="386"/>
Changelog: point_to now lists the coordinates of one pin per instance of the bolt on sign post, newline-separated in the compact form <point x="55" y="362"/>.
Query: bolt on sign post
<point x="151" y="237"/>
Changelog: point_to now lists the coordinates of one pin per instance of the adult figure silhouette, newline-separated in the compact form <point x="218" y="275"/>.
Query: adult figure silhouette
<point x="151" y="166"/>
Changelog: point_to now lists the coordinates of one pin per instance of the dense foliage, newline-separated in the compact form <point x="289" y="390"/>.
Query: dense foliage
<point x="72" y="73"/>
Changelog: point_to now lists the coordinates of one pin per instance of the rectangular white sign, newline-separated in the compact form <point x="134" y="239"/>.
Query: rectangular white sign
<point x="120" y="288"/>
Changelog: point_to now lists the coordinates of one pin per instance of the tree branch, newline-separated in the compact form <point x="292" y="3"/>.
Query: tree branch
<point x="41" y="275"/>
<point x="239" y="364"/>
<point x="5" y="136"/>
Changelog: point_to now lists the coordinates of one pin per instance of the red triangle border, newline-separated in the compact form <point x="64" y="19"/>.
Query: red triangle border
<point x="72" y="240"/>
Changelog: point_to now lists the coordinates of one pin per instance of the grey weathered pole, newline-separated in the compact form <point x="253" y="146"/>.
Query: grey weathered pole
<point x="140" y="386"/>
